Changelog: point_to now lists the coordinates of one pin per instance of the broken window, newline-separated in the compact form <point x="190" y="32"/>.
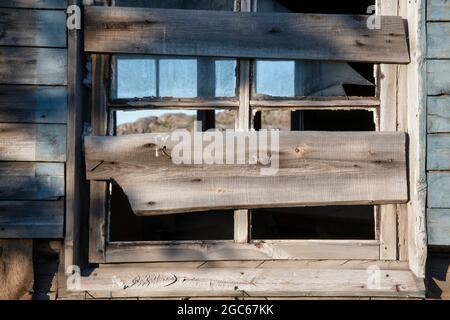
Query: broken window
<point x="159" y="93"/>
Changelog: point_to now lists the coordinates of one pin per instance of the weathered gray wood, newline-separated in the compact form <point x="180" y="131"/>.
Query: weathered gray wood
<point x="36" y="66"/>
<point x="438" y="189"/>
<point x="362" y="103"/>
<point x="414" y="80"/>
<point x="438" y="153"/>
<point x="316" y="168"/>
<point x="206" y="282"/>
<point x="438" y="80"/>
<point x="438" y="114"/>
<point x="33" y="28"/>
<point x="164" y="103"/>
<point x="36" y="104"/>
<point x="32" y="142"/>
<point x="438" y="225"/>
<point x="31" y="219"/>
<point x="256" y="250"/>
<point x="98" y="189"/>
<point x="75" y="185"/>
<point x="438" y="10"/>
<point x="241" y="217"/>
<point x="31" y="181"/>
<point x="41" y="4"/>
<point x="438" y="48"/>
<point x="244" y="35"/>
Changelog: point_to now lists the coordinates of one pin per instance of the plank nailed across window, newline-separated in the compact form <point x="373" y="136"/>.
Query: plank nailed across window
<point x="315" y="168"/>
<point x="244" y="35"/>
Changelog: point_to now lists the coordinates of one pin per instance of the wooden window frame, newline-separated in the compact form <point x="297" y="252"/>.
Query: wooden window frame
<point x="101" y="250"/>
<point x="343" y="278"/>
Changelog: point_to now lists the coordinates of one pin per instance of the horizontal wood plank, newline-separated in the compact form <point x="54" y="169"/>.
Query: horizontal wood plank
<point x="257" y="250"/>
<point x="206" y="282"/>
<point x="438" y="225"/>
<point x="437" y="75"/>
<point x="438" y="189"/>
<point x="31" y="219"/>
<point x="438" y="10"/>
<point x="313" y="104"/>
<point x="31" y="181"/>
<point x="33" y="66"/>
<point x="33" y="28"/>
<point x="438" y="49"/>
<point x="36" y="104"/>
<point x="244" y="35"/>
<point x="32" y="142"/>
<point x="438" y="114"/>
<point x="438" y="153"/>
<point x="315" y="168"/>
<point x="40" y="4"/>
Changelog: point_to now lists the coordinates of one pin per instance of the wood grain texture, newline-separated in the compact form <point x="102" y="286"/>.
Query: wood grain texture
<point x="33" y="66"/>
<point x="33" y="28"/>
<point x="98" y="189"/>
<point x="438" y="80"/>
<point x="438" y="10"/>
<point x="437" y="40"/>
<point x="32" y="142"/>
<point x="244" y="35"/>
<point x="438" y="189"/>
<point x="316" y="168"/>
<point x="309" y="103"/>
<point x="438" y="114"/>
<point x="31" y="219"/>
<point x="438" y="153"/>
<point x="75" y="182"/>
<point x="256" y="250"/>
<point x="206" y="282"/>
<point x="35" y="104"/>
<point x="40" y="4"/>
<point x="31" y="181"/>
<point x="438" y="225"/>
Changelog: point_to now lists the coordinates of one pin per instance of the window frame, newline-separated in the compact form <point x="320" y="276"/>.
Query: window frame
<point x="101" y="250"/>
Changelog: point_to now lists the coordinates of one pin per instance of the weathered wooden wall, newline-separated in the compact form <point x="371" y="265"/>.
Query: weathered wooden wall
<point x="33" y="117"/>
<point x="438" y="122"/>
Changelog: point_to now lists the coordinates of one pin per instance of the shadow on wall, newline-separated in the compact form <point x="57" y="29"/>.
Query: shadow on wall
<point x="16" y="269"/>
<point x="438" y="274"/>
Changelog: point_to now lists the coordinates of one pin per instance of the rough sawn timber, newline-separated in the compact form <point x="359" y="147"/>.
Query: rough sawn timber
<point x="315" y="168"/>
<point x="244" y="34"/>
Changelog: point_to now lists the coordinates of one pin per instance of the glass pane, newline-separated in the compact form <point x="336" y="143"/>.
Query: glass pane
<point x="137" y="78"/>
<point x="225" y="119"/>
<point x="176" y="77"/>
<point x="313" y="78"/>
<point x="148" y="121"/>
<point x="275" y="78"/>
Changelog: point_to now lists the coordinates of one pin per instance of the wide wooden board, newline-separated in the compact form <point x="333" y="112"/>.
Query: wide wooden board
<point x="244" y="35"/>
<point x="36" y="104"/>
<point x="31" y="181"/>
<point x="33" y="28"/>
<point x="315" y="168"/>
<point x="35" y="66"/>
<point x="32" y="142"/>
<point x="32" y="219"/>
